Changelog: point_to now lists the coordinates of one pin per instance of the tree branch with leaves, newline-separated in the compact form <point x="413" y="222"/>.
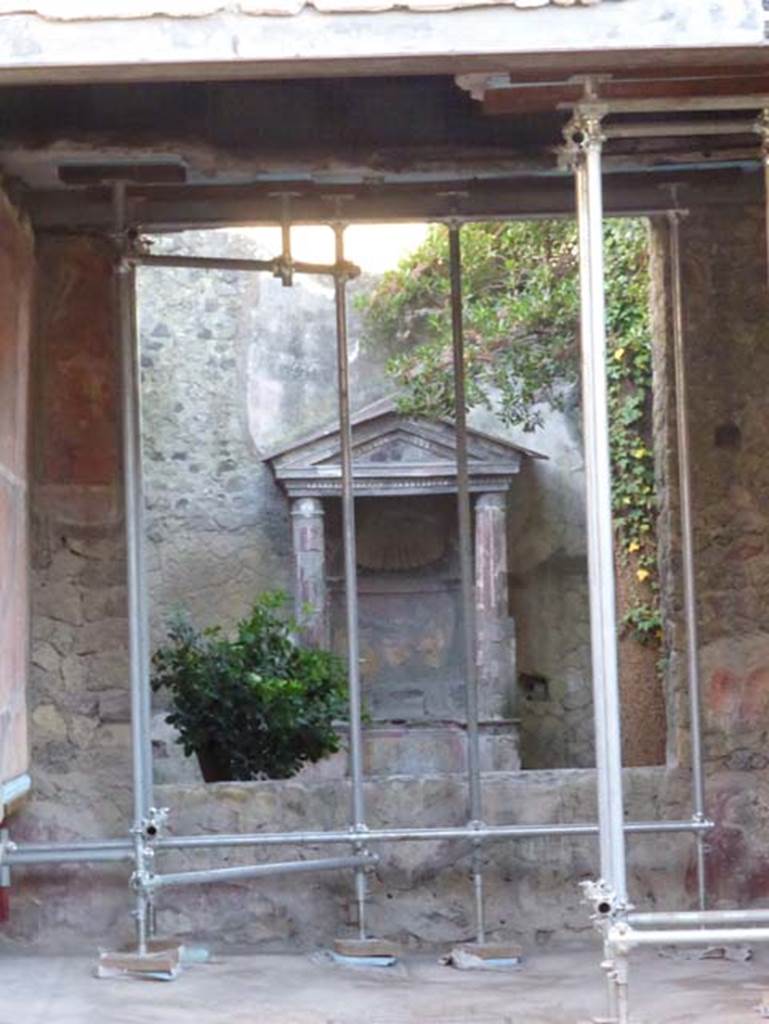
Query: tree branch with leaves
<point x="520" y="284"/>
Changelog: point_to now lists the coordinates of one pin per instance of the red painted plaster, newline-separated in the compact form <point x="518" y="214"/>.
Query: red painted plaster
<point x="78" y="363"/>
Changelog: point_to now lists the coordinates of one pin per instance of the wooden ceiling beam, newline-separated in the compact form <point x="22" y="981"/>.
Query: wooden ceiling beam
<point x="522" y="99"/>
<point x="160" y="208"/>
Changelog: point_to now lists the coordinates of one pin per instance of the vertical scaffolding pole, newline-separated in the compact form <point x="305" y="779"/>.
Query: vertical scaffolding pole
<point x="603" y="616"/>
<point x="687" y="552"/>
<point x="350" y="570"/>
<point x="762" y="128"/>
<point x="466" y="567"/>
<point x="138" y="624"/>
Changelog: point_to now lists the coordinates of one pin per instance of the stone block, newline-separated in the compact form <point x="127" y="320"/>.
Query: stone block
<point x="49" y="723"/>
<point x="115" y="705"/>
<point x="60" y="600"/>
<point x="46" y="657"/>
<point x="105" y="603"/>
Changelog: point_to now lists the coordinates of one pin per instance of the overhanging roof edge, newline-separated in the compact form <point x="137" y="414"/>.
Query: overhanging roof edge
<point x="38" y="48"/>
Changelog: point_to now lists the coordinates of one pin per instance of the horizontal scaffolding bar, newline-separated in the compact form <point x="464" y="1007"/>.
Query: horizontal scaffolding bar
<point x="623" y="939"/>
<point x="13" y="790"/>
<point x="181" y="262"/>
<point x="84" y="850"/>
<point x="682" y="918"/>
<point x="661" y="105"/>
<point x="241" y="873"/>
<point x="76" y="844"/>
<point x="24" y="856"/>
<point x="678" y="129"/>
<point x="528" y="195"/>
<point x="272" y="266"/>
<point x="405" y="835"/>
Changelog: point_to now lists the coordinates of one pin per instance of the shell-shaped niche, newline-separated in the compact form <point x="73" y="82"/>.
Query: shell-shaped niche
<point x="395" y="538"/>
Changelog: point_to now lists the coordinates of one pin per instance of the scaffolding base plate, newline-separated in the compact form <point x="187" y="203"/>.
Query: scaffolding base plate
<point x="468" y="956"/>
<point x="366" y="952"/>
<point x="159" y="964"/>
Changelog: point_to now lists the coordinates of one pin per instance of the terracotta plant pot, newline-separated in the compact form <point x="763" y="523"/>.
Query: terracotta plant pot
<point x="214" y="764"/>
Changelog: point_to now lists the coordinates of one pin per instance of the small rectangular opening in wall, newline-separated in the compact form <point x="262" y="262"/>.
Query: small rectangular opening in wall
<point x="533" y="688"/>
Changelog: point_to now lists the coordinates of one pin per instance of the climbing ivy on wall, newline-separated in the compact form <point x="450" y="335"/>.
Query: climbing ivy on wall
<point x="521" y="314"/>
<point x="629" y="372"/>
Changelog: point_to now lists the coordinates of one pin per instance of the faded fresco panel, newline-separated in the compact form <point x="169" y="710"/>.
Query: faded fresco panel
<point x="16" y="271"/>
<point x="80" y="443"/>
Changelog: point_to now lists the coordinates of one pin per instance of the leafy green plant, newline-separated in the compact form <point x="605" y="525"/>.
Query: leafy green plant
<point x="255" y="704"/>
<point x="521" y="314"/>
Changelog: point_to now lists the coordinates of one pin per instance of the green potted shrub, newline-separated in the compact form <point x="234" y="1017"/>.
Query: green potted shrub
<point x="255" y="704"/>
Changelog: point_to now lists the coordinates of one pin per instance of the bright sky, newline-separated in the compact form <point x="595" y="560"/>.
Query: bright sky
<point x="374" y="247"/>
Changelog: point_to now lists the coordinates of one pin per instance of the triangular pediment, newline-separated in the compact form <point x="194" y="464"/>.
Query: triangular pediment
<point x="394" y="453"/>
<point x="397" y="446"/>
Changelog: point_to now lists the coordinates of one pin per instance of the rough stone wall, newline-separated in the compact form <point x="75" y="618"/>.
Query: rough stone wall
<point x="234" y="366"/>
<point x="727" y="362"/>
<point x="16" y="278"/>
<point x="217" y="527"/>
<point x="547" y="562"/>
<point x="78" y="697"/>
<point x="421" y="894"/>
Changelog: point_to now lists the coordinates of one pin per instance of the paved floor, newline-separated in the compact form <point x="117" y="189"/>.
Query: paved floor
<point x="551" y="988"/>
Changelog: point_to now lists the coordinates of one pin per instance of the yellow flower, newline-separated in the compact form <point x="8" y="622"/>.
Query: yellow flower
<point x="619" y="353"/>
<point x="633" y="546"/>
<point x="642" y="574"/>
<point x="638" y="453"/>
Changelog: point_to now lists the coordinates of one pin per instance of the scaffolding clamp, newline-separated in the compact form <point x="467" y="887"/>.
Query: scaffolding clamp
<point x="761" y="127"/>
<point x="6" y="846"/>
<point x="607" y="909"/>
<point x="155" y="823"/>
<point x="284" y="264"/>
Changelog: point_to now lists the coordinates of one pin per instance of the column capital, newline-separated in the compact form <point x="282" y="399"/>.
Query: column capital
<point x="307" y="507"/>
<point x="762" y="129"/>
<point x="586" y="127"/>
<point x="492" y="500"/>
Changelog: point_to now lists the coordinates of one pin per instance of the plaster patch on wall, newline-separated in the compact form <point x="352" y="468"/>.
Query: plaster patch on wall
<point x="98" y="10"/>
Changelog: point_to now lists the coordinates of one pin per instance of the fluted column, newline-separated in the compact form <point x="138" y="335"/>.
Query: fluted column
<point x="310" y="596"/>
<point x="495" y="635"/>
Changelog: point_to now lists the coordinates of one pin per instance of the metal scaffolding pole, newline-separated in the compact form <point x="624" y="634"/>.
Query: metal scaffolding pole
<point x="248" y="871"/>
<point x="687" y="552"/>
<point x="350" y="571"/>
<point x="699" y="918"/>
<point x="610" y="892"/>
<point x="762" y="127"/>
<point x="138" y="622"/>
<point x="624" y="938"/>
<point x="464" y="516"/>
<point x="278" y="266"/>
<point x="603" y="617"/>
<point x="121" y="849"/>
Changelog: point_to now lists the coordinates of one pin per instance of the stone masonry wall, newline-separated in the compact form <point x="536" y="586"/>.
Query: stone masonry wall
<point x="79" y="686"/>
<point x="78" y="690"/>
<point x="727" y="363"/>
<point x="548" y="594"/>
<point x="234" y="366"/>
<point x="78" y="693"/>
